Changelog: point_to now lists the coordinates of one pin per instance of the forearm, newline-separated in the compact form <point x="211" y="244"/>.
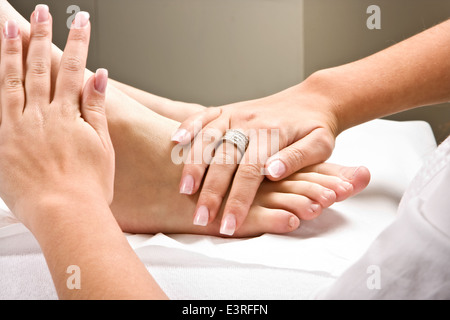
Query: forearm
<point x="412" y="73"/>
<point x="83" y="233"/>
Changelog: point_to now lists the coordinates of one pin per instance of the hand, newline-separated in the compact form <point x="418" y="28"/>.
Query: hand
<point x="300" y="123"/>
<point x="57" y="145"/>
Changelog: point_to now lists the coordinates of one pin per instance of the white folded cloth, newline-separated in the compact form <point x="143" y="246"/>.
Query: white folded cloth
<point x="411" y="258"/>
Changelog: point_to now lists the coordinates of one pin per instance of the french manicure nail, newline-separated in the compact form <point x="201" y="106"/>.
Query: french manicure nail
<point x="81" y="20"/>
<point x="201" y="216"/>
<point x="187" y="184"/>
<point x="228" y="225"/>
<point x="276" y="168"/>
<point x="101" y="80"/>
<point x="11" y="29"/>
<point x="41" y="13"/>
<point x="181" y="136"/>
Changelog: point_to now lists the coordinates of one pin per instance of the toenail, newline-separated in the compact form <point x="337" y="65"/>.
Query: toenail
<point x="346" y="186"/>
<point x="315" y="207"/>
<point x="329" y="195"/>
<point x="349" y="173"/>
<point x="293" y="223"/>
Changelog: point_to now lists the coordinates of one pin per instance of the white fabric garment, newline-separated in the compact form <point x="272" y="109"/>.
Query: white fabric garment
<point x="411" y="258"/>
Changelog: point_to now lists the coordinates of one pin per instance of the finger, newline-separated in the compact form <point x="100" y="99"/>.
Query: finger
<point x="93" y="104"/>
<point x="314" y="148"/>
<point x="11" y="69"/>
<point x="70" y="78"/>
<point x="217" y="181"/>
<point x="38" y="73"/>
<point x="200" y="156"/>
<point x="194" y="124"/>
<point x="245" y="185"/>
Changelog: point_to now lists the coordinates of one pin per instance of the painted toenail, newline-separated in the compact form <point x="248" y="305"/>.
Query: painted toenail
<point x="202" y="216"/>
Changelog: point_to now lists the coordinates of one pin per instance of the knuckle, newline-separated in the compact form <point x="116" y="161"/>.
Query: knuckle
<point x="250" y="171"/>
<point x="224" y="159"/>
<point x="238" y="205"/>
<point x="13" y="82"/>
<point x="13" y="49"/>
<point x="209" y="195"/>
<point x="40" y="34"/>
<point x="39" y="67"/>
<point x="325" y="143"/>
<point x="96" y="107"/>
<point x="295" y="156"/>
<point x="78" y="36"/>
<point x="72" y="64"/>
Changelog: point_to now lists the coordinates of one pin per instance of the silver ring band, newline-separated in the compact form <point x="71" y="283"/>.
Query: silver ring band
<point x="237" y="138"/>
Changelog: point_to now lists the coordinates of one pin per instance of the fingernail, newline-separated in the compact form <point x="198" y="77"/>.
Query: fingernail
<point x="228" y="225"/>
<point x="201" y="216"/>
<point x="101" y="80"/>
<point x="41" y="13"/>
<point x="276" y="169"/>
<point x="11" y="29"/>
<point x="81" y="20"/>
<point x="187" y="184"/>
<point x="181" y="136"/>
<point x="349" y="173"/>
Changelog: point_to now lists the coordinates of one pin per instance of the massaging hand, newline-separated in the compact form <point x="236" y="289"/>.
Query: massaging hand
<point x="306" y="131"/>
<point x="51" y="146"/>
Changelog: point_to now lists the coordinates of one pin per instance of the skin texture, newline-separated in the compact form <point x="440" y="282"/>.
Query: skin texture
<point x="62" y="183"/>
<point x="57" y="165"/>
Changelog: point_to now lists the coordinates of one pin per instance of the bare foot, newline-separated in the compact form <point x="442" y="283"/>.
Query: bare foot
<point x="147" y="198"/>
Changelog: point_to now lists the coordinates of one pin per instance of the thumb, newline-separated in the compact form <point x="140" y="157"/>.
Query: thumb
<point x="93" y="103"/>
<point x="314" y="148"/>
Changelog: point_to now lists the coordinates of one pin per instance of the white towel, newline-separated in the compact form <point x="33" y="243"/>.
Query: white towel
<point x="289" y="266"/>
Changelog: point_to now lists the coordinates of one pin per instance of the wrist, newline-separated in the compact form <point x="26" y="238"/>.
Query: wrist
<point x="318" y="88"/>
<point x="51" y="209"/>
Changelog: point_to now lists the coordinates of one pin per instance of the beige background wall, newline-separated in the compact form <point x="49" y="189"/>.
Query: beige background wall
<point x="215" y="52"/>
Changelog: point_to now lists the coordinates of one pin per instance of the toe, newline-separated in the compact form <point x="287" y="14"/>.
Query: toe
<point x="266" y="220"/>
